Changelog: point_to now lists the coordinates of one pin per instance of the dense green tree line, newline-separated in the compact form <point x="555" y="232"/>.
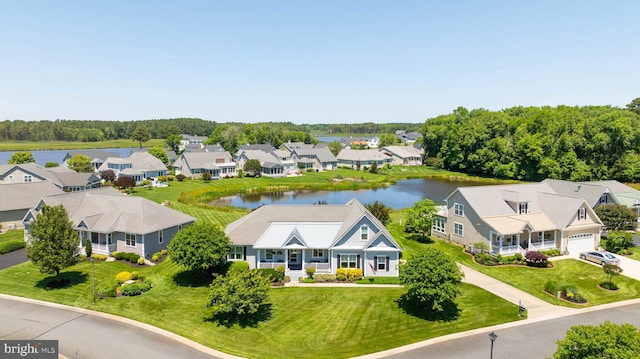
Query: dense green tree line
<point x="533" y="143"/>
<point x="361" y="128"/>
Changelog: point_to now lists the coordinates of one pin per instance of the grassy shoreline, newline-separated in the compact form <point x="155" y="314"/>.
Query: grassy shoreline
<point x="74" y="145"/>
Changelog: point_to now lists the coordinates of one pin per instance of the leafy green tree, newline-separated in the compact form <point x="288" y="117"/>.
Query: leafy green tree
<point x="634" y="106"/>
<point x="252" y="167"/>
<point x="335" y="147"/>
<point x="617" y="241"/>
<point x="606" y="340"/>
<point x="80" y="163"/>
<point x="611" y="270"/>
<point x="173" y="142"/>
<point x="108" y="176"/>
<point x="238" y="293"/>
<point x="141" y="134"/>
<point x="616" y="216"/>
<point x="159" y="153"/>
<point x="51" y="164"/>
<point x="380" y="211"/>
<point x="53" y="242"/>
<point x="420" y="217"/>
<point x="200" y="247"/>
<point x="21" y="157"/>
<point x="431" y="279"/>
<point x="388" y="139"/>
<point x="373" y="168"/>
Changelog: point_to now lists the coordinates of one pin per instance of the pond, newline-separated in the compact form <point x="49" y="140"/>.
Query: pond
<point x="401" y="195"/>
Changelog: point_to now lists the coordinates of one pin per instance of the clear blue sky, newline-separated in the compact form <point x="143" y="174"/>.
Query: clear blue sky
<point x="302" y="61"/>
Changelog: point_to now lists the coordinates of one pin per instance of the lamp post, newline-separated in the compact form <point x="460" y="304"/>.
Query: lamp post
<point x="492" y="336"/>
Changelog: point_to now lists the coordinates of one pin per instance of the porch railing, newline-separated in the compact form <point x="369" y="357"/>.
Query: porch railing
<point x="272" y="265"/>
<point x="543" y="245"/>
<point x="320" y="267"/>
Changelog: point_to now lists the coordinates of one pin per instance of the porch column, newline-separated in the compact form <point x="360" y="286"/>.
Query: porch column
<point x="257" y="264"/>
<point x="529" y="241"/>
<point x="303" y="258"/>
<point x="286" y="259"/>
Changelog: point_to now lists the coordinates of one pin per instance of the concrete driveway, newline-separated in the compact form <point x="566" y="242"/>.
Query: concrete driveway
<point x="630" y="267"/>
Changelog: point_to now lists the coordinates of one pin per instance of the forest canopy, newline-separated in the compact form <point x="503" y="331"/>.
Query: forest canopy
<point x="534" y="143"/>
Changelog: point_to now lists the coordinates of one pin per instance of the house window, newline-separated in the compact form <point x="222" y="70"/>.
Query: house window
<point x="268" y="254"/>
<point x="603" y="199"/>
<point x="438" y="225"/>
<point x="318" y="253"/>
<point x="160" y="236"/>
<point x="348" y="261"/>
<point x="523" y="208"/>
<point x="10" y="178"/>
<point x="458" y="229"/>
<point x="236" y="253"/>
<point x="109" y="238"/>
<point x="458" y="209"/>
<point x="582" y="214"/>
<point x="180" y="227"/>
<point x="381" y="263"/>
<point x="364" y="232"/>
<point x="130" y="240"/>
<point x="27" y="178"/>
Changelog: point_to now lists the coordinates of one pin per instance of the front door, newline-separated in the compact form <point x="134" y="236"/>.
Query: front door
<point x="294" y="259"/>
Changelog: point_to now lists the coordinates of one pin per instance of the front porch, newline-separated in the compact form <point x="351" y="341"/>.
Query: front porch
<point x="511" y="244"/>
<point x="294" y="259"/>
<point x="101" y="243"/>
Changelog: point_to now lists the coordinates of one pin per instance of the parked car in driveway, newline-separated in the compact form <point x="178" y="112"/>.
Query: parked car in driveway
<point x="600" y="257"/>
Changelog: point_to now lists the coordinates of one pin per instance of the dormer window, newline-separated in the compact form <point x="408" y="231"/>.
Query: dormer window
<point x="603" y="199"/>
<point x="364" y="232"/>
<point x="582" y="214"/>
<point x="458" y="209"/>
<point x="523" y="208"/>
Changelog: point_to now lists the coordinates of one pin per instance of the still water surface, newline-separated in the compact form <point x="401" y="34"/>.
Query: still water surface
<point x="401" y="195"/>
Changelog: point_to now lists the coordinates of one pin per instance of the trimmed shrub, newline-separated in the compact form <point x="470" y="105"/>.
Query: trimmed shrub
<point x="108" y="288"/>
<point x="308" y="280"/>
<point x="135" y="275"/>
<point x="133" y="258"/>
<point x="310" y="271"/>
<point x="486" y="259"/>
<point x="518" y="257"/>
<point x="155" y="258"/>
<point x="100" y="257"/>
<point x="158" y="254"/>
<point x="325" y="278"/>
<point x="120" y="255"/>
<point x="180" y="177"/>
<point x="164" y="252"/>
<point x="609" y="285"/>
<point x="270" y="273"/>
<point x="341" y="274"/>
<point x="239" y="266"/>
<point x="131" y="289"/>
<point x="140" y="261"/>
<point x="123" y="276"/>
<point x="536" y="259"/>
<point x="281" y="270"/>
<point x="348" y="274"/>
<point x="551" y="287"/>
<point x="551" y="252"/>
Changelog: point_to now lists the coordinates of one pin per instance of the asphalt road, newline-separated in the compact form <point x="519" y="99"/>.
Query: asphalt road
<point x="531" y="341"/>
<point x="12" y="258"/>
<point x="84" y="335"/>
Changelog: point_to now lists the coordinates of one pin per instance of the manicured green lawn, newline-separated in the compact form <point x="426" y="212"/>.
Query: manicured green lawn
<point x="11" y="241"/>
<point x="584" y="276"/>
<point x="316" y="322"/>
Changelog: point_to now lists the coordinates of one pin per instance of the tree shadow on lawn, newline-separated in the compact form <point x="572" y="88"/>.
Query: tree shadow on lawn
<point x="420" y="238"/>
<point x="191" y="278"/>
<point x="449" y="313"/>
<point x="67" y="279"/>
<point x="251" y="320"/>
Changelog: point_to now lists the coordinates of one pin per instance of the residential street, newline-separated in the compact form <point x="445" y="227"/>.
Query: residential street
<point x="12" y="258"/>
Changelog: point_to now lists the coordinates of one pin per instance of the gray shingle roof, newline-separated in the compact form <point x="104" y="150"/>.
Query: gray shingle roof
<point x="25" y="195"/>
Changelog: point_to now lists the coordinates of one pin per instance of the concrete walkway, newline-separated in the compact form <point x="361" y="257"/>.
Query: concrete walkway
<point x="536" y="308"/>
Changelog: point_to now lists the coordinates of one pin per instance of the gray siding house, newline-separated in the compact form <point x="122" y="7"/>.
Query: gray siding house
<point x="325" y="237"/>
<point x="515" y="218"/>
<point x="219" y="164"/>
<point x="116" y="222"/>
<point x="18" y="199"/>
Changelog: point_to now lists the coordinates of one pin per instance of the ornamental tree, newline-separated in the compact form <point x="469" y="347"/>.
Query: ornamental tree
<point x="616" y="216"/>
<point x="80" y="163"/>
<point x="239" y="293"/>
<point x="21" y="157"/>
<point x="252" y="167"/>
<point x="53" y="242"/>
<point x="431" y="279"/>
<point x="420" y="216"/>
<point x="611" y="270"/>
<point x="606" y="340"/>
<point x="200" y="247"/>
<point x="160" y="153"/>
<point x="380" y="211"/>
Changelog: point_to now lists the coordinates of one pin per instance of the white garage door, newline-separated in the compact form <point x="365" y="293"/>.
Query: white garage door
<point x="580" y="242"/>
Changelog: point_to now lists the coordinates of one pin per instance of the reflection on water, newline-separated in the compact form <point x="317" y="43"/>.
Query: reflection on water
<point x="401" y="195"/>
